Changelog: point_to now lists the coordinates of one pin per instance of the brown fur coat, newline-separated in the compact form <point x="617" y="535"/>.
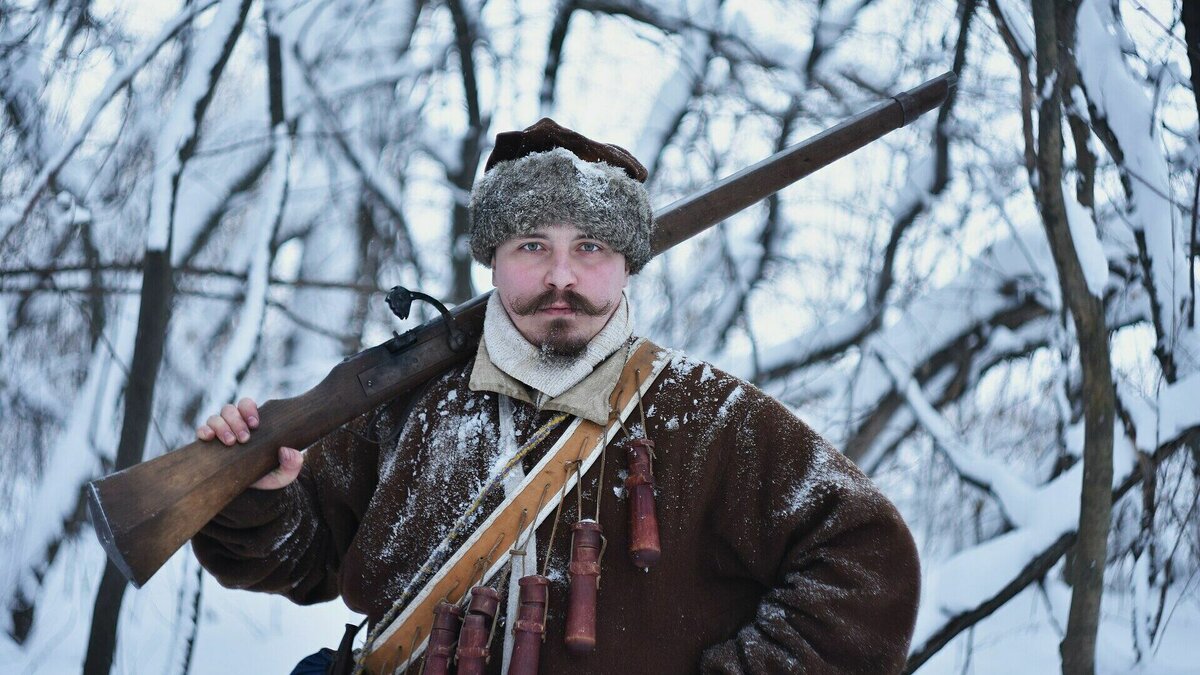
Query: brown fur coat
<point x="779" y="556"/>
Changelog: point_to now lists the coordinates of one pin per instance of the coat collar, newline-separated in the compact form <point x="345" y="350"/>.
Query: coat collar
<point x="587" y="399"/>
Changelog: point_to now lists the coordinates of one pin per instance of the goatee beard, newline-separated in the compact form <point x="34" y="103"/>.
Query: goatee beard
<point x="559" y="347"/>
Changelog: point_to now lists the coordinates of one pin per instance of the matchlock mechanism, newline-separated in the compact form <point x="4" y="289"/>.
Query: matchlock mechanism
<point x="400" y="301"/>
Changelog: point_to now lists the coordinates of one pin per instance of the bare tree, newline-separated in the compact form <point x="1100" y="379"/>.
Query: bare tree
<point x="1082" y="295"/>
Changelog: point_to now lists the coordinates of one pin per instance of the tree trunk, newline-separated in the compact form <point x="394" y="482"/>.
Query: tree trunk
<point x="155" y="312"/>
<point x="1054" y="27"/>
<point x="470" y="152"/>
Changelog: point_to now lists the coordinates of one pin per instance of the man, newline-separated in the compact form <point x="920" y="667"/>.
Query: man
<point x="778" y="555"/>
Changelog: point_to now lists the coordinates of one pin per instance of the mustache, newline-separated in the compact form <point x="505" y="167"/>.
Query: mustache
<point x="577" y="303"/>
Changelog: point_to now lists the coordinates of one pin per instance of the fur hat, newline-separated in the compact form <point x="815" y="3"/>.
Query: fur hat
<point x="550" y="174"/>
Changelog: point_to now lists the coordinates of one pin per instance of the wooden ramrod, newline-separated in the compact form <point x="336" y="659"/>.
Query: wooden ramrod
<point x="145" y="513"/>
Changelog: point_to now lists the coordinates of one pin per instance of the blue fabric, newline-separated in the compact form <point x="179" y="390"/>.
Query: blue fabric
<point x="315" y="664"/>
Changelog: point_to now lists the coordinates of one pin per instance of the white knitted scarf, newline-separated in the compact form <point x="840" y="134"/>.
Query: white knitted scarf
<point x="516" y="356"/>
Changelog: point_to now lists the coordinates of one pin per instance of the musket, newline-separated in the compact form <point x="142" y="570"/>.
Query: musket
<point x="145" y="513"/>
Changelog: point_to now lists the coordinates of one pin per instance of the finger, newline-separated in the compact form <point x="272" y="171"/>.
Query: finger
<point x="290" y="463"/>
<point x="236" y="424"/>
<point x="249" y="412"/>
<point x="221" y="429"/>
<point x="290" y="460"/>
<point x="205" y="433"/>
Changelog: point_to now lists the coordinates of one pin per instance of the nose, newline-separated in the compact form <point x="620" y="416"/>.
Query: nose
<point x="561" y="274"/>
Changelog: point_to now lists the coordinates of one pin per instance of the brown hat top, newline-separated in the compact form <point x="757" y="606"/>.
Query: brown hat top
<point x="547" y="134"/>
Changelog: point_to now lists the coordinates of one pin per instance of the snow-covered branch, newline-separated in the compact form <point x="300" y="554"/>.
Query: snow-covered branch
<point x="77" y="455"/>
<point x="1013" y="495"/>
<point x="1125" y="121"/>
<point x="963" y="590"/>
<point x="676" y="93"/>
<point x="380" y="184"/>
<point x="177" y="140"/>
<point x="243" y="345"/>
<point x="116" y="82"/>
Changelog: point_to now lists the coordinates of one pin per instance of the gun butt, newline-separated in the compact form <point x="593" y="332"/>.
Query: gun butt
<point x="141" y="528"/>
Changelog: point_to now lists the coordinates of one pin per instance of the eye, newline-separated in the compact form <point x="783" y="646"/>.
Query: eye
<point x="590" y="247"/>
<point x="530" y="246"/>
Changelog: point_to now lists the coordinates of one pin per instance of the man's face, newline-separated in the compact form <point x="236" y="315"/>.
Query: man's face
<point x="559" y="286"/>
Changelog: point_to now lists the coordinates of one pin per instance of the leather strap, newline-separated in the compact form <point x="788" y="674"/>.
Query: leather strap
<point x="404" y="640"/>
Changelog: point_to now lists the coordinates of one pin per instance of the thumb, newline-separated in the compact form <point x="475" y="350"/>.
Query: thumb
<point x="290" y="463"/>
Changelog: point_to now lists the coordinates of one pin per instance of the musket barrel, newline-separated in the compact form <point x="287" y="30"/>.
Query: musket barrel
<point x="691" y="215"/>
<point x="145" y="513"/>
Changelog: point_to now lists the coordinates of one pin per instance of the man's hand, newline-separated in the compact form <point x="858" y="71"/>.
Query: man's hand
<point x="233" y="425"/>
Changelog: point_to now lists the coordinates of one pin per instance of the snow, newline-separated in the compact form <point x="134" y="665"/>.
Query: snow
<point x="957" y="585"/>
<point x="1175" y="413"/>
<point x="729" y="402"/>
<point x="180" y="127"/>
<point x="673" y="98"/>
<point x="1177" y="407"/>
<point x="980" y="292"/>
<point x="931" y="321"/>
<point x="834" y="18"/>
<point x="1014" y="495"/>
<point x="820" y="478"/>
<point x="243" y="345"/>
<point x="330" y="252"/>
<point x="1087" y="244"/>
<point x="1048" y="87"/>
<point x="280" y="632"/>
<point x="748" y="29"/>
<point x="382" y="184"/>
<point x="1019" y="23"/>
<point x="74" y="459"/>
<point x="1141" y="601"/>
<point x="198" y="203"/>
<point x="917" y="187"/>
<point x="21" y="87"/>
<point x="1023" y="636"/>
<point x="594" y="177"/>
<point x="814" y="341"/>
<point x="983" y="250"/>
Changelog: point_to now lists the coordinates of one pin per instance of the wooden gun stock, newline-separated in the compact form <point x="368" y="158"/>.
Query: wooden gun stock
<point x="145" y="513"/>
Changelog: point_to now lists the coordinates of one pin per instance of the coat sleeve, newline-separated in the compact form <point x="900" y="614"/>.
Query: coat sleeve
<point x="837" y="564"/>
<point x="291" y="541"/>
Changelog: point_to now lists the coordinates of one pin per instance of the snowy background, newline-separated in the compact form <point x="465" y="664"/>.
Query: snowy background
<point x="244" y="177"/>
